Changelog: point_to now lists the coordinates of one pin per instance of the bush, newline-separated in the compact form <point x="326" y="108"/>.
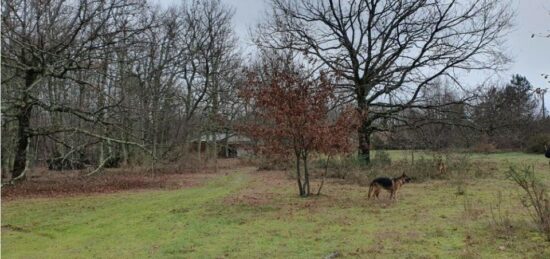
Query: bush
<point x="423" y="169"/>
<point x="113" y="162"/>
<point x="62" y="163"/>
<point x="442" y="166"/>
<point x="535" y="143"/>
<point x="484" y="148"/>
<point x="339" y="167"/>
<point x="266" y="163"/>
<point x="500" y="218"/>
<point x="461" y="165"/>
<point x="536" y="196"/>
<point x="381" y="157"/>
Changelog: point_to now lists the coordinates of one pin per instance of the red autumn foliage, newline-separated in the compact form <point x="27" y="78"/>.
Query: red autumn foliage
<point x="291" y="118"/>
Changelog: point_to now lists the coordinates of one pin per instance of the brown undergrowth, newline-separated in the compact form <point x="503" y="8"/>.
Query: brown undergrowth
<point x="44" y="183"/>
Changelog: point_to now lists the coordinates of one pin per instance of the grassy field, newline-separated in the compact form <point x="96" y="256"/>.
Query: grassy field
<point x="250" y="214"/>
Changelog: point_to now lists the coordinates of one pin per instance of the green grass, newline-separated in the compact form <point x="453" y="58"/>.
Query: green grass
<point x="141" y="224"/>
<point x="500" y="160"/>
<point x="248" y="215"/>
<point x="514" y="157"/>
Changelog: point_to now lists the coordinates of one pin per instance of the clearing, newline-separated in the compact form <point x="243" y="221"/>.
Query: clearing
<point x="244" y="213"/>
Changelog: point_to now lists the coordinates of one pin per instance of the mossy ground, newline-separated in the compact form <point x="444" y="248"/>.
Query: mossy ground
<point x="250" y="214"/>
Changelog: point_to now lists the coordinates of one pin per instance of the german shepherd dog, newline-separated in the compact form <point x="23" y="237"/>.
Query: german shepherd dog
<point x="390" y="185"/>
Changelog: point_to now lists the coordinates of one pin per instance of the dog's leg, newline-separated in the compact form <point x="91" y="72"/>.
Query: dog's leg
<point x="370" y="192"/>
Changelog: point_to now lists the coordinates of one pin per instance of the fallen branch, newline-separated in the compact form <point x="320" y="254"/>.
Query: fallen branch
<point x="101" y="166"/>
<point x="43" y="132"/>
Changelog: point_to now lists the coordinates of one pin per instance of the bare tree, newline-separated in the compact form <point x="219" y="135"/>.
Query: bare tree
<point x="186" y="64"/>
<point x="94" y="79"/>
<point x="64" y="40"/>
<point x="388" y="51"/>
<point x="212" y="63"/>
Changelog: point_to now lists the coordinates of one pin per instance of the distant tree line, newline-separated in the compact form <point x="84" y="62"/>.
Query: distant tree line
<point x="498" y="117"/>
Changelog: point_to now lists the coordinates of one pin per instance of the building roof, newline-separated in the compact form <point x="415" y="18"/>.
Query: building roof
<point x="219" y="137"/>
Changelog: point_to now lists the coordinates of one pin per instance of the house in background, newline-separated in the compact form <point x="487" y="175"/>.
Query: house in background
<point x="228" y="145"/>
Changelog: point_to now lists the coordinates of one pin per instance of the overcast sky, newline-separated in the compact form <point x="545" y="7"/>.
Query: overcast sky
<point x="531" y="56"/>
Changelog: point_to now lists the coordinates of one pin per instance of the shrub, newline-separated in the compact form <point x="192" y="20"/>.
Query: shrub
<point x="269" y="163"/>
<point x="340" y="166"/>
<point x="381" y="157"/>
<point x="500" y="219"/>
<point x="484" y="148"/>
<point x="535" y="143"/>
<point x="536" y="196"/>
<point x="423" y="168"/>
<point x="461" y="165"/>
<point x="113" y="162"/>
<point x="443" y="166"/>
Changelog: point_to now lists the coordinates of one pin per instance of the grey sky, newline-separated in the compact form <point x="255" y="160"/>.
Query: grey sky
<point x="531" y="56"/>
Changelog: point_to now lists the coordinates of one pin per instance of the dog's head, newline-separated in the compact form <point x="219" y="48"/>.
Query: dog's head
<point x="405" y="178"/>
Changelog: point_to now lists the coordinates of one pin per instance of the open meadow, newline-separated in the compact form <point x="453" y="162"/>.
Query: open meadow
<point x="275" y="129"/>
<point x="241" y="212"/>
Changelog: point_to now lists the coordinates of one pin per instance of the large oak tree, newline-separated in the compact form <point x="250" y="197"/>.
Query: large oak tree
<point x="387" y="51"/>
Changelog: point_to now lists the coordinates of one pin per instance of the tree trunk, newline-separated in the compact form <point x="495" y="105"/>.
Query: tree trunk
<point x="226" y="144"/>
<point x="199" y="148"/>
<point x="9" y="130"/>
<point x="56" y="120"/>
<point x="215" y="153"/>
<point x="207" y="146"/>
<point x="306" y="178"/>
<point x="299" y="176"/>
<point x="364" y="133"/>
<point x="124" y="148"/>
<point x="23" y="126"/>
<point x="324" y="176"/>
<point x="20" y="161"/>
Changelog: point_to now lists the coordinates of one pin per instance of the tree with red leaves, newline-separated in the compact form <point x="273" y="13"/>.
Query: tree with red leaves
<point x="291" y="118"/>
